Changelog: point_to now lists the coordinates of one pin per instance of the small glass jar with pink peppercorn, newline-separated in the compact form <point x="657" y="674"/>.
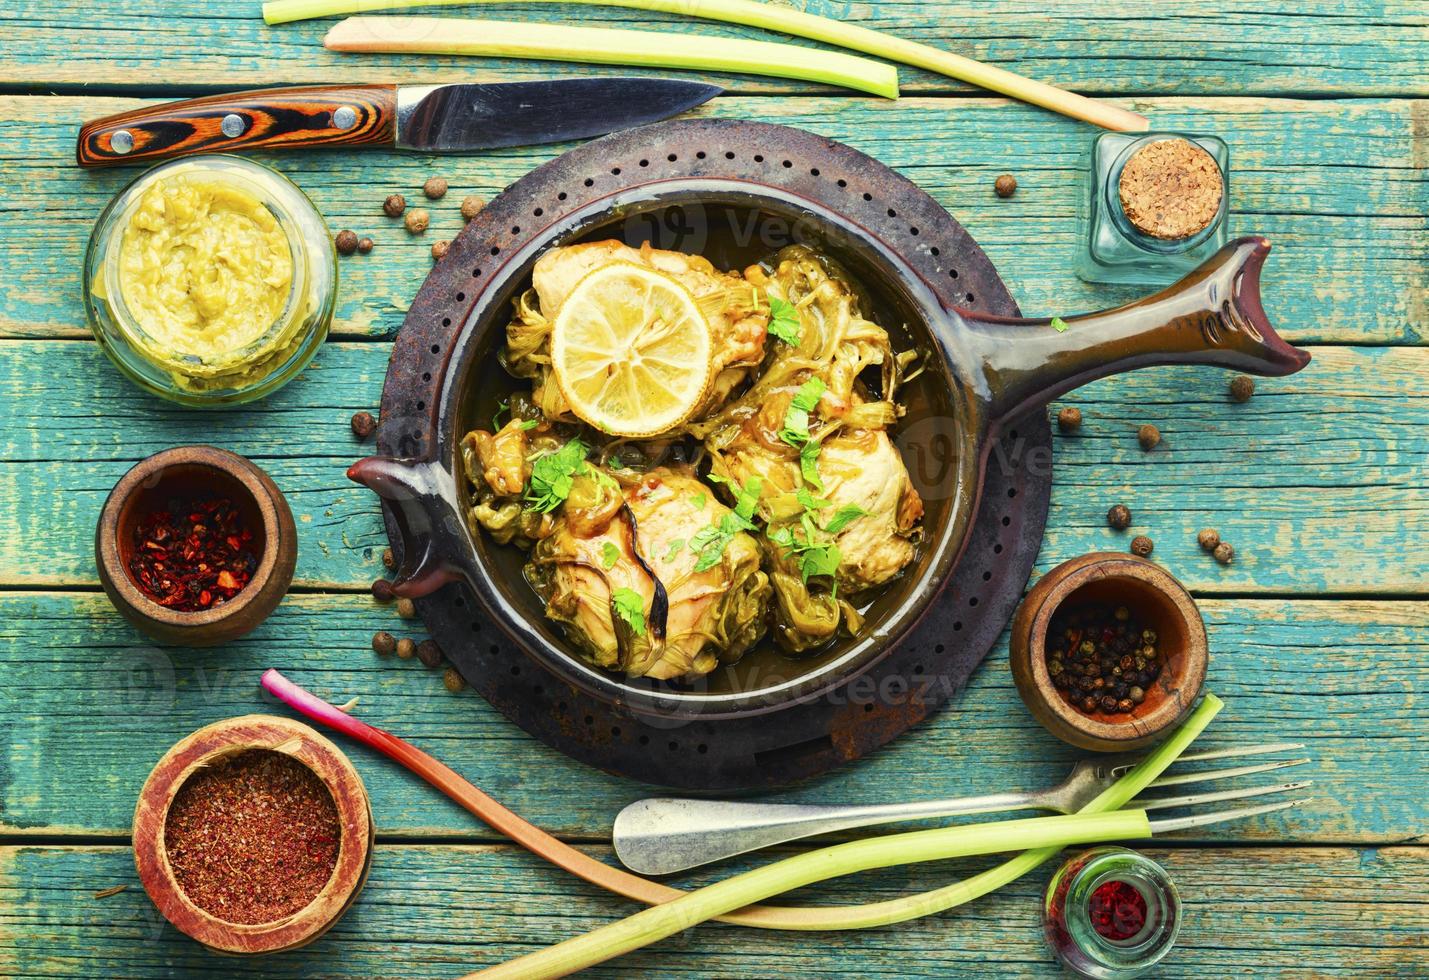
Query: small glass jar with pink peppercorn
<point x="1110" y="913"/>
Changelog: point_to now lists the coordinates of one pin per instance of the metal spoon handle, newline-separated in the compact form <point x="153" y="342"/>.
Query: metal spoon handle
<point x="662" y="836"/>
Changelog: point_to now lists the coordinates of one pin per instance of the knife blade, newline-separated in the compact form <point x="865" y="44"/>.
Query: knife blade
<point x="454" y="118"/>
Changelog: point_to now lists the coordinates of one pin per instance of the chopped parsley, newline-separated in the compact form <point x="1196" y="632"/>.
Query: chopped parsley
<point x="809" y="464"/>
<point x="711" y="541"/>
<point x="530" y="424"/>
<point x="609" y="555"/>
<point x="697" y="501"/>
<point x="629" y="606"/>
<point x="501" y="406"/>
<point x="676" y="547"/>
<point x="784" y="321"/>
<point x="796" y="419"/>
<point x="809" y="502"/>
<point x="816" y="556"/>
<point x="845" y="516"/>
<point x="1059" y="325"/>
<point x="552" y="476"/>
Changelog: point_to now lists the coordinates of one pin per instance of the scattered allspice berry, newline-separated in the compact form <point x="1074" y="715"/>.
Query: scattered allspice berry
<point x="417" y="220"/>
<point x="429" y="654"/>
<point x="453" y="680"/>
<point x="384" y="643"/>
<point x="389" y="560"/>
<point x="1224" y="553"/>
<point x="1142" y="545"/>
<point x="363" y="425"/>
<point x="346" y="242"/>
<point x="406" y="608"/>
<point x="1208" y="539"/>
<point x="382" y="590"/>
<point x="406" y="649"/>
<point x="364" y="245"/>
<point x="1069" y="419"/>
<point x="439" y="250"/>
<point x="1242" y="387"/>
<point x="471" y="206"/>
<point x="435" y="188"/>
<point x="394" y="205"/>
<point x="1149" y="436"/>
<point x="1005" y="185"/>
<point x="1119" y="517"/>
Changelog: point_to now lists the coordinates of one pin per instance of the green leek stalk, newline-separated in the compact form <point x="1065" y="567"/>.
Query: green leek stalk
<point x="507" y="39"/>
<point x="776" y="17"/>
<point x="1100" y="820"/>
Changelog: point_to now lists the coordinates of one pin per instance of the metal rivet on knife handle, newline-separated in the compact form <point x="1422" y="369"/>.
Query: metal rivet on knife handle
<point x="233" y="125"/>
<point x="121" y="141"/>
<point x="344" y="117"/>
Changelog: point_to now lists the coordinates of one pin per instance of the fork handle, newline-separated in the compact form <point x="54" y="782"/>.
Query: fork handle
<point x="661" y="836"/>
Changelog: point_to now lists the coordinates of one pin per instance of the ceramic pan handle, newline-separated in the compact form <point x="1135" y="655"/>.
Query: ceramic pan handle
<point x="1213" y="316"/>
<point x="432" y="535"/>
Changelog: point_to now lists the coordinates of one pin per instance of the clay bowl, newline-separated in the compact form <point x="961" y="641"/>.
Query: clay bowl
<point x="220" y="741"/>
<point x="1156" y="599"/>
<point x="182" y="472"/>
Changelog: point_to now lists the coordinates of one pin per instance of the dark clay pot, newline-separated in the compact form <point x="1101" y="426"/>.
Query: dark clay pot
<point x="983" y="372"/>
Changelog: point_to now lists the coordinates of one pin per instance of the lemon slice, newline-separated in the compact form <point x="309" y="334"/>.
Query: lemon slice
<point x="631" y="351"/>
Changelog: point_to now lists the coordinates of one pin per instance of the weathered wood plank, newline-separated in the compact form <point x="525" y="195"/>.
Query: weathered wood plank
<point x="1312" y="501"/>
<point x="1344" y="202"/>
<point x="1200" y="46"/>
<point x="442" y="911"/>
<point x="88" y="707"/>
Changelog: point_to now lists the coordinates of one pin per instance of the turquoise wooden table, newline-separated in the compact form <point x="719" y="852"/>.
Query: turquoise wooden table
<point x="1318" y="629"/>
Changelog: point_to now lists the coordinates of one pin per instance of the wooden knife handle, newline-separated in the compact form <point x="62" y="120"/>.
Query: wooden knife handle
<point x="271" y="119"/>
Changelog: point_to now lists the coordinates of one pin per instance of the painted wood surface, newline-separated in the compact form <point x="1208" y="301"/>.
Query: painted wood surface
<point x="1313" y="500"/>
<point x="91" y="707"/>
<point x="1253" y="47"/>
<point x="1342" y="197"/>
<point x="434" y="912"/>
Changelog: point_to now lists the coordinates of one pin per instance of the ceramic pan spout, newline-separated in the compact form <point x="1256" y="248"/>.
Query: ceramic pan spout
<point x="432" y="534"/>
<point x="1212" y="316"/>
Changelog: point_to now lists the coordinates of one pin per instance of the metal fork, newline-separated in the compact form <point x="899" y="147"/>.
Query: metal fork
<point x="662" y="835"/>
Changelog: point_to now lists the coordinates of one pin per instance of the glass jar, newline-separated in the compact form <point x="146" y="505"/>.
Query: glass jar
<point x="1111" y="247"/>
<point x="267" y="357"/>
<point x="1111" y="913"/>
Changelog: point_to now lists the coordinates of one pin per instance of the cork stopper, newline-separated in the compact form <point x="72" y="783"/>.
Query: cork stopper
<point x="1171" y="189"/>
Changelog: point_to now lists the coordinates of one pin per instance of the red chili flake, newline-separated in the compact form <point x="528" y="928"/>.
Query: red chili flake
<point x="1117" y="910"/>
<point x="254" y="838"/>
<point x="192" y="554"/>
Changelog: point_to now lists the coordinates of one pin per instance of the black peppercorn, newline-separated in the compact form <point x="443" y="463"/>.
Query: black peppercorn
<point x="1124" y="704"/>
<point x="382" y="590"/>
<point x="363" y="425"/>
<point x="1108" y="703"/>
<point x="1089" y="704"/>
<point x="1208" y="539"/>
<point x="1242" y="387"/>
<point x="383" y="643"/>
<point x="1069" y="419"/>
<point x="1005" y="185"/>
<point x="1224" y="553"/>
<point x="1119" y="517"/>
<point x="346" y="242"/>
<point x="1149" y="436"/>
<point x="429" y="654"/>
<point x="1142" y="545"/>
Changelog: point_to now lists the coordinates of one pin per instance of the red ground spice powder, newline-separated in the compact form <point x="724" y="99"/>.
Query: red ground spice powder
<point x="254" y="838"/>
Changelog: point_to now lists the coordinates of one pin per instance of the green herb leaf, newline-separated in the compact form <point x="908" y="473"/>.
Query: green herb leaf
<point x="530" y="424"/>
<point x="784" y="321"/>
<point x="747" y="499"/>
<point x="552" y="476"/>
<point x="1059" y="325"/>
<point x="809" y="502"/>
<point x="501" y="406"/>
<point x="796" y="419"/>
<point x="809" y="464"/>
<point x="820" y="560"/>
<point x="845" y="516"/>
<point x="629" y="606"/>
<point x="676" y="547"/>
<point x="782" y="536"/>
<point x="609" y="555"/>
<point x="697" y="501"/>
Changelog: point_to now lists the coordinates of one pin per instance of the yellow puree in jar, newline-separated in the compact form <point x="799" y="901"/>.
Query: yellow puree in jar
<point x="206" y="270"/>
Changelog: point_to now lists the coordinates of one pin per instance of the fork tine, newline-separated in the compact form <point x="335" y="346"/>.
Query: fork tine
<point x="1212" y="774"/>
<point x="1162" y="803"/>
<point x="1123" y="765"/>
<point x="1220" y="816"/>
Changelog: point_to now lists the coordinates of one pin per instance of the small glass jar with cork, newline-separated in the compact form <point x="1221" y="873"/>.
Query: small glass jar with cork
<point x="1154" y="206"/>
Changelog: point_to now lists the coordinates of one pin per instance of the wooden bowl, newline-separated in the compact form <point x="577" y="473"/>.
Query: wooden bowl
<point x="183" y="471"/>
<point x="220" y="741"/>
<point x="1155" y="599"/>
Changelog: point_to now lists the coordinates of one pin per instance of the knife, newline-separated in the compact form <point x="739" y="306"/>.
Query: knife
<point x="455" y="118"/>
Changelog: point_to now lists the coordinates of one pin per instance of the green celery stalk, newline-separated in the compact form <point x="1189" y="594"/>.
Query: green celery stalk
<point x="507" y="39"/>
